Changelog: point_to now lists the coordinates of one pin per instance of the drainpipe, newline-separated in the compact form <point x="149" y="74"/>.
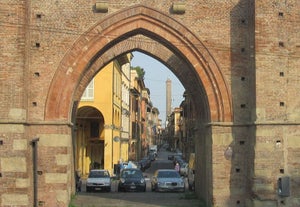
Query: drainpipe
<point x="35" y="173"/>
<point x="112" y="126"/>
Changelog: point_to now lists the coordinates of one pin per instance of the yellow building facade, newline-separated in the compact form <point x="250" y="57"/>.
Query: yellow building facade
<point x="99" y="120"/>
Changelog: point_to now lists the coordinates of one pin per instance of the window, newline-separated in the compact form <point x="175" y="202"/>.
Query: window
<point x="88" y="94"/>
<point x="94" y="129"/>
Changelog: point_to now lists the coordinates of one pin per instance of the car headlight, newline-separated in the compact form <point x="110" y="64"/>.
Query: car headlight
<point x="122" y="180"/>
<point x="142" y="180"/>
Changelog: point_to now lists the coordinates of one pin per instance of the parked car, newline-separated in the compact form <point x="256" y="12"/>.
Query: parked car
<point x="144" y="163"/>
<point x="132" y="179"/>
<point x="177" y="158"/>
<point x="167" y="180"/>
<point x="183" y="171"/>
<point x="131" y="164"/>
<point x="178" y="152"/>
<point x="171" y="157"/>
<point x="152" y="156"/>
<point x="98" y="180"/>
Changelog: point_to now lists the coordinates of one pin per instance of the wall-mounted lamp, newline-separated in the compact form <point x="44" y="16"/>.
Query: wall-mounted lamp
<point x="116" y="139"/>
<point x="178" y="8"/>
<point x="101" y="7"/>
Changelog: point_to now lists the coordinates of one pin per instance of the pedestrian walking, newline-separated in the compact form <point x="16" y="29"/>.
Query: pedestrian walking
<point x="177" y="167"/>
<point x="78" y="181"/>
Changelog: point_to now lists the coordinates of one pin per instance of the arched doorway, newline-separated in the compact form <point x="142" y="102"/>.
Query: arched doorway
<point x="90" y="138"/>
<point x="175" y="46"/>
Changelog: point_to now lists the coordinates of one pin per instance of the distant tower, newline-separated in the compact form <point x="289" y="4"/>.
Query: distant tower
<point x="168" y="97"/>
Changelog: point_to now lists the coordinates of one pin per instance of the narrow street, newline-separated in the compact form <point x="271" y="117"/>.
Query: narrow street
<point x="139" y="199"/>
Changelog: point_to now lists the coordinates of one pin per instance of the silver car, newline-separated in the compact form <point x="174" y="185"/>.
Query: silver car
<point x="167" y="180"/>
<point x="98" y="180"/>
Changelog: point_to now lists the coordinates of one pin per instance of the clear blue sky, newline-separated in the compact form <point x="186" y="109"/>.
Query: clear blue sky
<point x="156" y="75"/>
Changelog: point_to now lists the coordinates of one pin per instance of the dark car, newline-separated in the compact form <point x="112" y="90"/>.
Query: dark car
<point x="177" y="158"/>
<point x="180" y="162"/>
<point x="144" y="163"/>
<point x="170" y="157"/>
<point x="132" y="180"/>
<point x="167" y="180"/>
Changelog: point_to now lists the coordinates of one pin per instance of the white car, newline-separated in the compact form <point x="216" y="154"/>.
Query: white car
<point x="184" y="169"/>
<point x="98" y="180"/>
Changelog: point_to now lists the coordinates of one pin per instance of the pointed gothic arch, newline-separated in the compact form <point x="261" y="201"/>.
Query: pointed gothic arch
<point x="97" y="47"/>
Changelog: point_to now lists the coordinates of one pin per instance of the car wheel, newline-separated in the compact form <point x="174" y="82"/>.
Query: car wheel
<point x="108" y="189"/>
<point x="88" y="189"/>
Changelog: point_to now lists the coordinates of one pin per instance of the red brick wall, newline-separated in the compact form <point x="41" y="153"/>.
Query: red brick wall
<point x="249" y="75"/>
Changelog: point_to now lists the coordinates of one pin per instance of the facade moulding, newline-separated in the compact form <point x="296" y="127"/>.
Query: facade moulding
<point x="231" y="124"/>
<point x="38" y="123"/>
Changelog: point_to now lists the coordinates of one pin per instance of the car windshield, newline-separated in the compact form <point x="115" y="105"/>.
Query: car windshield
<point x="131" y="174"/>
<point x="98" y="174"/>
<point x="168" y="174"/>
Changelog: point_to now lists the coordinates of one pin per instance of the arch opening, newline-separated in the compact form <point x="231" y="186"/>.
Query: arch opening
<point x="175" y="46"/>
<point x="89" y="139"/>
<point x="87" y="62"/>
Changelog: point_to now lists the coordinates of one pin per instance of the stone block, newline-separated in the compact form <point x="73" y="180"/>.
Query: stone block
<point x="265" y="146"/>
<point x="56" y="178"/>
<point x="263" y="172"/>
<point x="22" y="183"/>
<point x="17" y="114"/>
<point x="20" y="144"/>
<point x="12" y="128"/>
<point x="13" y="164"/>
<point x="263" y="187"/>
<point x="222" y="139"/>
<point x="293" y="142"/>
<point x="62" y="195"/>
<point x="265" y="132"/>
<point x="260" y="114"/>
<point x="54" y="140"/>
<point x="62" y="159"/>
<point x="14" y="200"/>
<point x="257" y="203"/>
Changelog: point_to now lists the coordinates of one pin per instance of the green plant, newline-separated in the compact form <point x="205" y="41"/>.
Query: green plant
<point x="72" y="200"/>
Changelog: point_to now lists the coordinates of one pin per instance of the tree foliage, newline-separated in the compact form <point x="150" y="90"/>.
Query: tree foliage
<point x="140" y="71"/>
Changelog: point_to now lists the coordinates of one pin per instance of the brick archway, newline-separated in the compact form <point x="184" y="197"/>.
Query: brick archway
<point x="95" y="48"/>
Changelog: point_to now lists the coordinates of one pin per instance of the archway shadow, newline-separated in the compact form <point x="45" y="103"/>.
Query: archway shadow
<point x="243" y="89"/>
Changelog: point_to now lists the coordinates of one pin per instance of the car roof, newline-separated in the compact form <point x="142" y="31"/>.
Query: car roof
<point x="131" y="169"/>
<point x="99" y="170"/>
<point x="166" y="170"/>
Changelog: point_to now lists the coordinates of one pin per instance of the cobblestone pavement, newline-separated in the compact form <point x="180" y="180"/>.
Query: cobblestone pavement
<point x="148" y="199"/>
<point x="138" y="199"/>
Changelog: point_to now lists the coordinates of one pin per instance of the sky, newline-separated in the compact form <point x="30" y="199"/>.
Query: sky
<point x="156" y="75"/>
